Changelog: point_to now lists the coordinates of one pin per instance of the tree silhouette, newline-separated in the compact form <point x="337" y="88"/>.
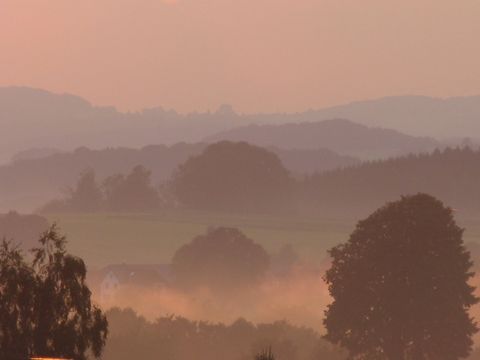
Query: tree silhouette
<point x="45" y="306"/>
<point x="86" y="196"/>
<point x="133" y="192"/>
<point x="265" y="354"/>
<point x="362" y="188"/>
<point x="235" y="177"/>
<point x="178" y="338"/>
<point x="223" y="258"/>
<point x="400" y="285"/>
<point x="17" y="284"/>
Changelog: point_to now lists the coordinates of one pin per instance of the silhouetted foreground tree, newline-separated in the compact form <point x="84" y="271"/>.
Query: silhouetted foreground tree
<point x="17" y="284"/>
<point x="231" y="176"/>
<point x="223" y="258"/>
<point x="45" y="306"/>
<point x="400" y="285"/>
<point x="177" y="338"/>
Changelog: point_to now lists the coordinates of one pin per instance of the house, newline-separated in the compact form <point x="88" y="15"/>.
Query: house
<point x="112" y="277"/>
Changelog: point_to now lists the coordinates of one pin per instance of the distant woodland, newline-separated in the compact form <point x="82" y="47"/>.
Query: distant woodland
<point x="179" y="338"/>
<point x="452" y="175"/>
<point x="238" y="177"/>
<point x="32" y="180"/>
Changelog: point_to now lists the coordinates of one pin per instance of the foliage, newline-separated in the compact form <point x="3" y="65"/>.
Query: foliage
<point x="34" y="182"/>
<point x="223" y="258"/>
<point x="17" y="284"/>
<point x="178" y="338"/>
<point x="119" y="193"/>
<point x="265" y="354"/>
<point x="234" y="177"/>
<point x="45" y="306"/>
<point x="132" y="193"/>
<point x="86" y="196"/>
<point x="451" y="175"/>
<point x="400" y="285"/>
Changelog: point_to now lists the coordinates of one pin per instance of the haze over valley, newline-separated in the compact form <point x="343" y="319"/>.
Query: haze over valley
<point x="239" y="180"/>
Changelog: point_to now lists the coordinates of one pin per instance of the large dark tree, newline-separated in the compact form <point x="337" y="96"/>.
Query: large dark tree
<point x="45" y="306"/>
<point x="223" y="258"/>
<point x="400" y="285"/>
<point x="17" y="284"/>
<point x="231" y="176"/>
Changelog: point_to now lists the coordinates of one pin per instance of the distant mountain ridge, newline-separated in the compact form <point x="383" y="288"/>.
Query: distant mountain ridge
<point x="442" y="118"/>
<point x="35" y="118"/>
<point x="339" y="135"/>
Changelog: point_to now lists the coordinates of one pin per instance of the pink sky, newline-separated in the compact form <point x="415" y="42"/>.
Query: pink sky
<point x="262" y="55"/>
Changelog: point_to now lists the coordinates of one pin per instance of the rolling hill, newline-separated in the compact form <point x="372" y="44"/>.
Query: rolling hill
<point x="455" y="117"/>
<point x="339" y="135"/>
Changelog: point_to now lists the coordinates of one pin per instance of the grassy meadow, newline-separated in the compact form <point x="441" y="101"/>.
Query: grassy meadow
<point x="103" y="239"/>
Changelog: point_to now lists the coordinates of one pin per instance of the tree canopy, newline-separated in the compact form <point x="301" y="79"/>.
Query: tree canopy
<point x="123" y="193"/>
<point x="230" y="176"/>
<point x="400" y="285"/>
<point x="178" y="338"/>
<point x="223" y="258"/>
<point x="45" y="305"/>
<point x="133" y="192"/>
<point x="86" y="196"/>
<point x="450" y="174"/>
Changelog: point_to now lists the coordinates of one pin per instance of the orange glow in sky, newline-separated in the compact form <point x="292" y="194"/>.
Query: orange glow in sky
<point x="262" y="55"/>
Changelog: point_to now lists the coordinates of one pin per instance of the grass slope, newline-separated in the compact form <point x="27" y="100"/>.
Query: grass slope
<point x="103" y="239"/>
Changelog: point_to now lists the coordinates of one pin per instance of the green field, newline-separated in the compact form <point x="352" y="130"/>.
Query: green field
<point x="103" y="239"/>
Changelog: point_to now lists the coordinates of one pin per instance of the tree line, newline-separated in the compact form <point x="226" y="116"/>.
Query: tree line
<point x="178" y="338"/>
<point x="451" y="175"/>
<point x="117" y="193"/>
<point x="243" y="178"/>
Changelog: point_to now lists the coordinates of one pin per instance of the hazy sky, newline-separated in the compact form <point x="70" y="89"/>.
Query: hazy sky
<point x="259" y="55"/>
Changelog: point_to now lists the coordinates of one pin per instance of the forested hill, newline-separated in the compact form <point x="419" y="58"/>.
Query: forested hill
<point x="30" y="182"/>
<point x="452" y="175"/>
<point x="342" y="136"/>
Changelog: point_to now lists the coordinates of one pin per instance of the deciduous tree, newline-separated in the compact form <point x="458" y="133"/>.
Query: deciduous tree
<point x="400" y="285"/>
